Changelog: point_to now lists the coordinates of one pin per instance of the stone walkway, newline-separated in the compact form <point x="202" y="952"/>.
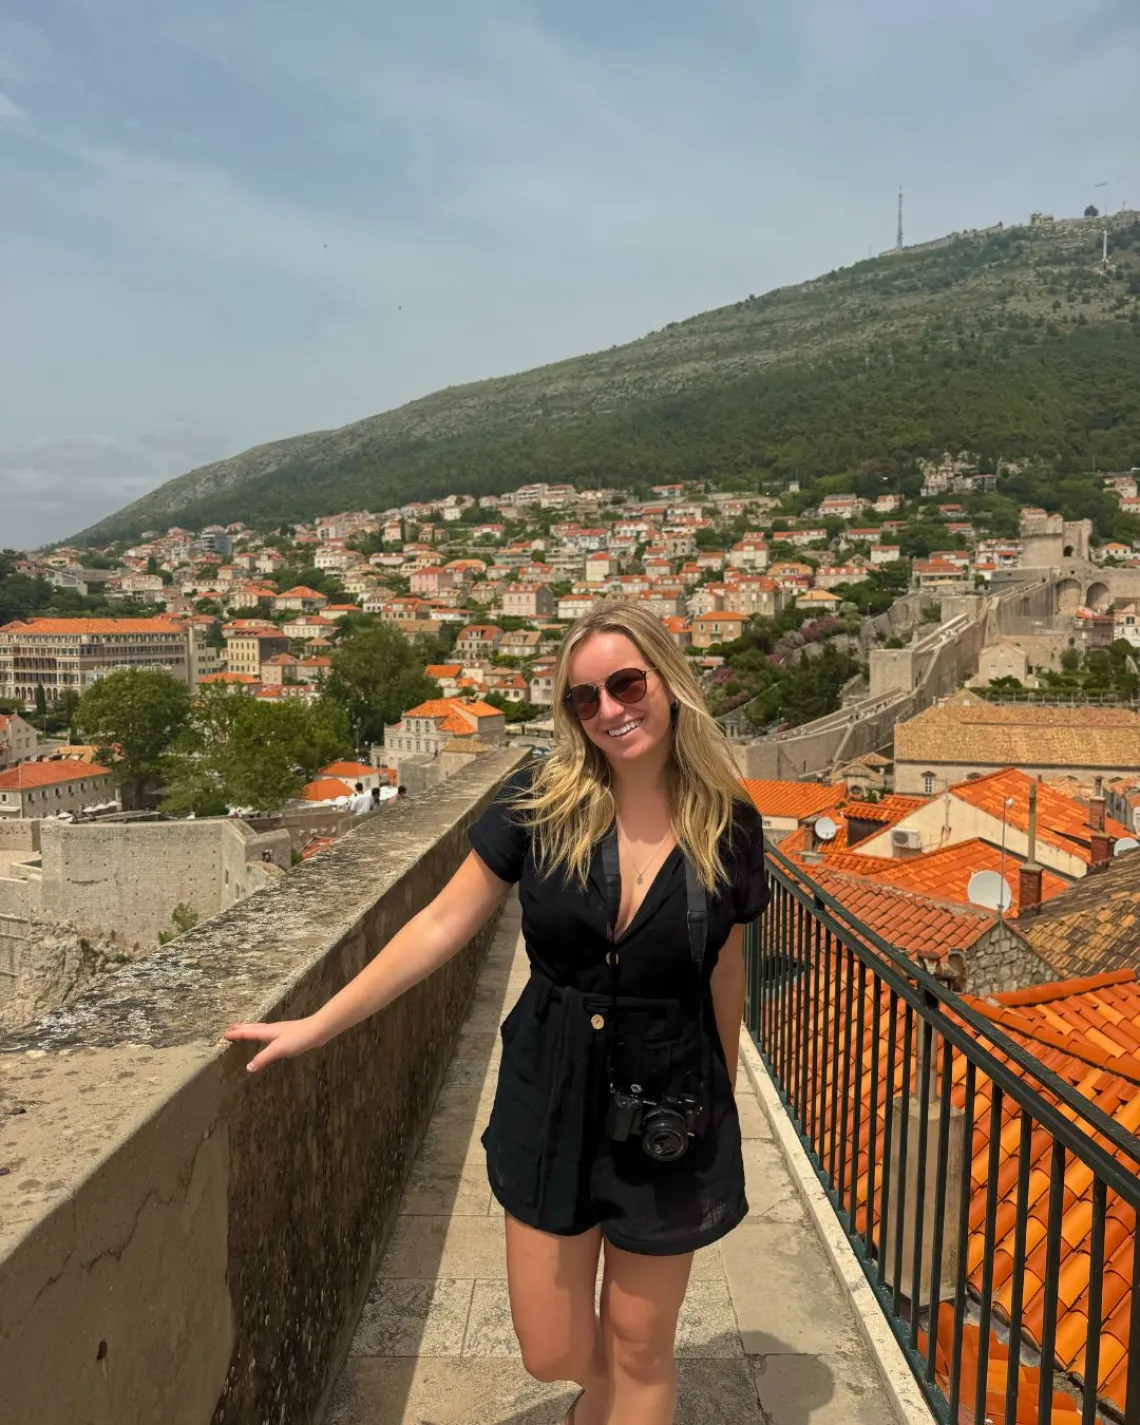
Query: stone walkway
<point x="766" y="1336"/>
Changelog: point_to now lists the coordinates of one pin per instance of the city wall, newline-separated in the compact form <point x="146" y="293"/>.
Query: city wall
<point x="19" y="834"/>
<point x="302" y="826"/>
<point x="123" y="881"/>
<point x="180" y="1242"/>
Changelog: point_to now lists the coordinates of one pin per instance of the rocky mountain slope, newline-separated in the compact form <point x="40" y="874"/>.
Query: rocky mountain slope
<point x="1011" y="341"/>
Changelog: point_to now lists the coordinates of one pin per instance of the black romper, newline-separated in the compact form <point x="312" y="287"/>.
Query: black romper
<point x="550" y="1159"/>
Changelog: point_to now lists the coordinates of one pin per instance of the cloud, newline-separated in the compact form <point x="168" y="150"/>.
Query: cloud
<point x="52" y="487"/>
<point x="284" y="217"/>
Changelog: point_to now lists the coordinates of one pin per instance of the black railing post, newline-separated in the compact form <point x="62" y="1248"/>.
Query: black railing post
<point x="1096" y="1287"/>
<point x="1020" y="1225"/>
<point x="963" y="1247"/>
<point x="1052" y="1270"/>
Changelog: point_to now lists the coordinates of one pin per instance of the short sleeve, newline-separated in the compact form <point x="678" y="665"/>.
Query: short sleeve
<point x="498" y="836"/>
<point x="749" y="882"/>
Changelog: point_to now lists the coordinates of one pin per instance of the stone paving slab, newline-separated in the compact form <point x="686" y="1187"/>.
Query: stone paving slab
<point x="766" y="1335"/>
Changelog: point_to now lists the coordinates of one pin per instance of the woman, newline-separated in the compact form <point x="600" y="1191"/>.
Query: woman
<point x="639" y="861"/>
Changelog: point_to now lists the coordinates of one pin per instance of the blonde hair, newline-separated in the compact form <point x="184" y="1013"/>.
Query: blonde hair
<point x="570" y="803"/>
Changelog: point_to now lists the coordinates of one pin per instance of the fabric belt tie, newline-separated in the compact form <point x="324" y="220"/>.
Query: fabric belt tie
<point x="575" y="1053"/>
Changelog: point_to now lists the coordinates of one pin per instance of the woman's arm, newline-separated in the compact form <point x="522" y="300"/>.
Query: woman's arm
<point x="727" y="986"/>
<point x="418" y="948"/>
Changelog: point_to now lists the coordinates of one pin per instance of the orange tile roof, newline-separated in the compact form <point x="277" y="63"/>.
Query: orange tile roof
<point x="27" y="775"/>
<point x="445" y="707"/>
<point x="912" y="923"/>
<point x="885" y="813"/>
<point x="301" y="591"/>
<point x="93" y="625"/>
<point x="348" y="769"/>
<point x="325" y="789"/>
<point x="443" y="670"/>
<point x="315" y="845"/>
<point x="1085" y="1032"/>
<point x="455" y="724"/>
<point x="1061" y="820"/>
<point x="230" y="678"/>
<point x="947" y="871"/>
<point x="793" y="799"/>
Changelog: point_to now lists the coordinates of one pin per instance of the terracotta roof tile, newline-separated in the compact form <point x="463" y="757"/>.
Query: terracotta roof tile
<point x="912" y="923"/>
<point x="793" y="799"/>
<point x="970" y="730"/>
<point x="1061" y="820"/>
<point x="27" y="775"/>
<point x="325" y="789"/>
<point x="947" y="871"/>
<point x="94" y="625"/>
<point x="1085" y="1032"/>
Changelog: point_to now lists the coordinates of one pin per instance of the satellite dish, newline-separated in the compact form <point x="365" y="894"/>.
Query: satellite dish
<point x="827" y="830"/>
<point x="988" y="889"/>
<point x="1126" y="843"/>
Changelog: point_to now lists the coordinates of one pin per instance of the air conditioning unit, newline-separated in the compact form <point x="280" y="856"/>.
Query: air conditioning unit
<point x="904" y="839"/>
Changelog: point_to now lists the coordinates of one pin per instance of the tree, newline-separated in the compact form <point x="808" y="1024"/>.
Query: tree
<point x="376" y="676"/>
<point x="1092" y="211"/>
<point x="515" y="711"/>
<point x="41" y="701"/>
<point x="133" y="716"/>
<point x="237" y="751"/>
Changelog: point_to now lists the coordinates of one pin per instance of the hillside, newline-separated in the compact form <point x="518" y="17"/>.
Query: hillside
<point x="1010" y="342"/>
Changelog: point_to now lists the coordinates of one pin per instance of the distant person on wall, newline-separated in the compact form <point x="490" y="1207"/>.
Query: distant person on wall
<point x="401" y="791"/>
<point x="360" y="800"/>
<point x="639" y="861"/>
<point x="374" y="804"/>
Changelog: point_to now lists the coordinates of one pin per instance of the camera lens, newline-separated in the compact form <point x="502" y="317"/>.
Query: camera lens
<point x="664" y="1136"/>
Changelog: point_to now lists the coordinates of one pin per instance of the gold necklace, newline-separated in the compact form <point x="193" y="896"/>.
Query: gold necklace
<point x="657" y="848"/>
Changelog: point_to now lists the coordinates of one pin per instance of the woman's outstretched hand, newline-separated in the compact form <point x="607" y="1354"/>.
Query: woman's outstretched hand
<point x="283" y="1040"/>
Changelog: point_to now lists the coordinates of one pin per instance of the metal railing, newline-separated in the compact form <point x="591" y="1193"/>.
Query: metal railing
<point x="968" y="1175"/>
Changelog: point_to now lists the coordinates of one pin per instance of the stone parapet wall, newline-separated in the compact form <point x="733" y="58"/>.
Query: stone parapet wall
<point x="19" y="833"/>
<point x="181" y="1242"/>
<point x="123" y="881"/>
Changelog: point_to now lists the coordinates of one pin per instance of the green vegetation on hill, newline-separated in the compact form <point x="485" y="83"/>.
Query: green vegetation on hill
<point x="1011" y="344"/>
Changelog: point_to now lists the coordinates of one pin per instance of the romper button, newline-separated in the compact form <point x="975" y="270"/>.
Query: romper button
<point x="597" y="1021"/>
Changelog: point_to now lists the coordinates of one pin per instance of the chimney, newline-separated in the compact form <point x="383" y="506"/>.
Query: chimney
<point x="1096" y="809"/>
<point x="1029" y="874"/>
<point x="1028" y="889"/>
<point x="1100" y="845"/>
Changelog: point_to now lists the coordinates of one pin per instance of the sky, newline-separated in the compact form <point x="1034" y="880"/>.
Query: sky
<point x="224" y="223"/>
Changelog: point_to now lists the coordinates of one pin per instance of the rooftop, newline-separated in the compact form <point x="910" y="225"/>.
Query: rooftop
<point x="28" y="775"/>
<point x="968" y="730"/>
<point x="794" y="799"/>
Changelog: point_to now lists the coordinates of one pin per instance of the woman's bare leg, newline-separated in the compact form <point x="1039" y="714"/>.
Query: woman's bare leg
<point x="641" y="1301"/>
<point x="551" y="1282"/>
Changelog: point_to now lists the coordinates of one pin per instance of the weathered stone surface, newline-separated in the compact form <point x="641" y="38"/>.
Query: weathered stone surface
<point x="263" y="1204"/>
<point x="49" y="964"/>
<point x="783" y="1290"/>
<point x="820" y="1390"/>
<point x="414" y="1318"/>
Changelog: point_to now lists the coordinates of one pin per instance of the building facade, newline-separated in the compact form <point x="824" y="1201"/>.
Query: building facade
<point x="39" y="789"/>
<point x="19" y="740"/>
<point x="68" y="655"/>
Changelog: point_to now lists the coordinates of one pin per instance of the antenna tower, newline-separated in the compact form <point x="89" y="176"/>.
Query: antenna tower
<point x="899" y="239"/>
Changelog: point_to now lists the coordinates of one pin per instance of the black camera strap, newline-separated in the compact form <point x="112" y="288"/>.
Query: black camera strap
<point x="696" y="919"/>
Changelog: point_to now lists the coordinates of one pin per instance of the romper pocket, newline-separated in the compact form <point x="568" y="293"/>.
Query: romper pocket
<point x="513" y="1139"/>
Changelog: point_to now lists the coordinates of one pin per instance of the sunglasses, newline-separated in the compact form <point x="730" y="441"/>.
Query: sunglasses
<point x="626" y="686"/>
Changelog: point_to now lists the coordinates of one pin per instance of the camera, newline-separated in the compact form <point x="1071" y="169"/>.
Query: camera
<point x="665" y="1126"/>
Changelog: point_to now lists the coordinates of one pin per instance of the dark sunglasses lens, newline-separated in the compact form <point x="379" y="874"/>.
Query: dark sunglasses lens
<point x="582" y="700"/>
<point x="628" y="685"/>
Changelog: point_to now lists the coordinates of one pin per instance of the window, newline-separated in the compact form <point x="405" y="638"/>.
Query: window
<point x="928" y="783"/>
